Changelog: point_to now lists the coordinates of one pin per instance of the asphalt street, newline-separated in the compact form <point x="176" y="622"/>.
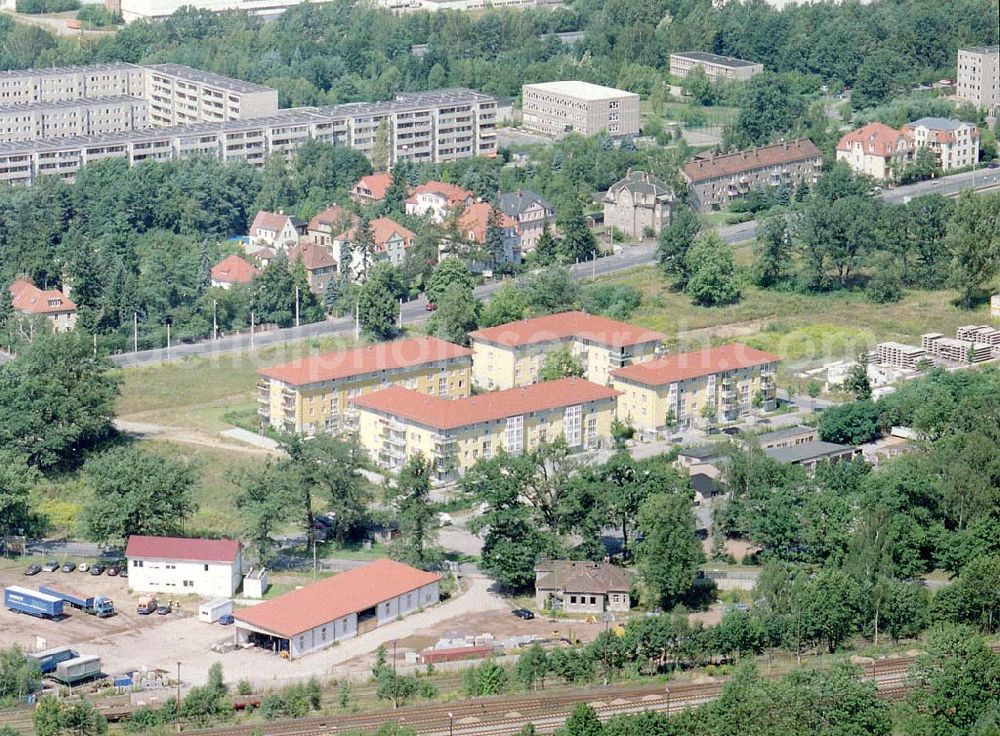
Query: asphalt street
<point x="415" y="311"/>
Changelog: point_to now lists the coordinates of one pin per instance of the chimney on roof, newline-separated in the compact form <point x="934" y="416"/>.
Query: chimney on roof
<point x="628" y="171"/>
<point x="281" y="212"/>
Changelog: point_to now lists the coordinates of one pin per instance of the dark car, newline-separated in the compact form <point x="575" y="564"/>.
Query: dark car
<point x="69" y="567"/>
<point x="113" y="571"/>
<point x="50" y="566"/>
<point x="97" y="569"/>
<point x="33" y="569"/>
<point x="227" y="620"/>
<point x="523" y="613"/>
<point x="163" y="610"/>
<point x="123" y="572"/>
<point x="993" y="165"/>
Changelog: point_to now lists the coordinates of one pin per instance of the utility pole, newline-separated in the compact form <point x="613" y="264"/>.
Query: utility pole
<point x="178" y="687"/>
<point x="357" y="320"/>
<point x="251" y="329"/>
<point x="168" y="341"/>
<point x="95" y="344"/>
<point x="395" y="681"/>
<point x="315" y="567"/>
<point x="135" y="332"/>
<point x="296" y="305"/>
<point x="400" y="312"/>
<point x="215" y="319"/>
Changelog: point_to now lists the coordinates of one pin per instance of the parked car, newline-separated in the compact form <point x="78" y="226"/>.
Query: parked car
<point x="123" y="572"/>
<point x="113" y="571"/>
<point x="33" y="569"/>
<point x="83" y="567"/>
<point x="69" y="567"/>
<point x="227" y="620"/>
<point x="97" y="569"/>
<point x="431" y="307"/>
<point x="523" y="613"/>
<point x="163" y="610"/>
<point x="50" y="566"/>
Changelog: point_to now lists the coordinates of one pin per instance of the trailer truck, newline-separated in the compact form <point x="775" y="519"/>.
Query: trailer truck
<point x="24" y="600"/>
<point x="96" y="605"/>
<point x="50" y="658"/>
<point x="77" y="669"/>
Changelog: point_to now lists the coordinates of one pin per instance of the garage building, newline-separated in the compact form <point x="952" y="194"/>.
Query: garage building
<point x="340" y="607"/>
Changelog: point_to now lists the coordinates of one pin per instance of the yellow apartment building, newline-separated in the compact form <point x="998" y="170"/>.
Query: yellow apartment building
<point x="397" y="423"/>
<point x="512" y="354"/>
<point x="313" y="394"/>
<point x="695" y="388"/>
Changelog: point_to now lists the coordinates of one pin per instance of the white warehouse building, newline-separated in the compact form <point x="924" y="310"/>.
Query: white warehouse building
<point x="319" y="615"/>
<point x="212" y="568"/>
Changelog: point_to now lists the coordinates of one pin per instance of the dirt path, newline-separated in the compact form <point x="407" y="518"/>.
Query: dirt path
<point x="147" y="430"/>
<point x="734" y="329"/>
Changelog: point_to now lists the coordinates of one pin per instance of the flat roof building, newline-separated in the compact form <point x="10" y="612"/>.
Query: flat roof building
<point x="785" y="437"/>
<point x="397" y="423"/>
<point x="978" y="80"/>
<point x="811" y="454"/>
<point x="512" y="354"/>
<point x="313" y="394"/>
<point x="424" y="126"/>
<point x="716" y="67"/>
<point x="341" y="607"/>
<point x="558" y="108"/>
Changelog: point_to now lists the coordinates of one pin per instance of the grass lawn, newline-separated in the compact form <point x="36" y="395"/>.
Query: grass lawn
<point x="195" y="393"/>
<point x="717" y="115"/>
<point x="804" y="329"/>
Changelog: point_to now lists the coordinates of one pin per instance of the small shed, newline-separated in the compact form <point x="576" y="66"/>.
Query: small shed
<point x="255" y="584"/>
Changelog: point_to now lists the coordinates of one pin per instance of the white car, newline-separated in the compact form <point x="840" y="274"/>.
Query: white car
<point x="444" y="519"/>
<point x="50" y="566"/>
<point x="83" y="567"/>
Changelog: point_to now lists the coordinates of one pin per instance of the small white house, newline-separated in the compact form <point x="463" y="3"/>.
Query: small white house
<point x="180" y="566"/>
<point x="255" y="584"/>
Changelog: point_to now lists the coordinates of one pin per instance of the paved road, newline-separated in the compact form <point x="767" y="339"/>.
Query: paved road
<point x="415" y="312"/>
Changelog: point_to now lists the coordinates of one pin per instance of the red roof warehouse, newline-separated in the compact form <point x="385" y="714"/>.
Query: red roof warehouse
<point x="339" y="607"/>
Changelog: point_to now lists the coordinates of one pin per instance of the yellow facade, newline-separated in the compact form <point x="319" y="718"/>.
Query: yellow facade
<point x="728" y="396"/>
<point x="391" y="440"/>
<point x="325" y="406"/>
<point x="502" y="367"/>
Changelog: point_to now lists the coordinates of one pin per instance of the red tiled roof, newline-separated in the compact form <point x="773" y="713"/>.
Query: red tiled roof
<point x="432" y="411"/>
<point x="234" y="270"/>
<point x="313" y="256"/>
<point x="451" y="192"/>
<point x="381" y="356"/>
<point x="474" y="220"/>
<point x="182" y="548"/>
<point x="702" y="169"/>
<point x="327" y="600"/>
<point x="268" y="221"/>
<point x="876" y="139"/>
<point x="331" y="217"/>
<point x="694" y="364"/>
<point x="29" y="299"/>
<point x="567" y="324"/>
<point x="383" y="228"/>
<point x="376" y="184"/>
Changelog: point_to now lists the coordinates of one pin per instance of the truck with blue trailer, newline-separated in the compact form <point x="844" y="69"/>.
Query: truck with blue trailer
<point x="24" y="600"/>
<point x="50" y="658"/>
<point x="96" y="605"/>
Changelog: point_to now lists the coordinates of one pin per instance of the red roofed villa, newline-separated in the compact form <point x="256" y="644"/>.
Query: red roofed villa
<point x="372" y="188"/>
<point x="319" y="263"/>
<point x="875" y="150"/>
<point x="439" y="199"/>
<point x="397" y="423"/>
<point x="696" y="388"/>
<point x="233" y="270"/>
<point x="341" y="607"/>
<point x="183" y="566"/>
<point x="275" y="230"/>
<point x="52" y="304"/>
<point x="512" y="354"/>
<point x="391" y="240"/>
<point x="311" y="395"/>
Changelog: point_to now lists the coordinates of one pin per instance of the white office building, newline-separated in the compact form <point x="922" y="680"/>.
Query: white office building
<point x="211" y="568"/>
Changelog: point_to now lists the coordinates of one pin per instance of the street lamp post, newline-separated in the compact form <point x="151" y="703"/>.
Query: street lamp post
<point x="667" y="688"/>
<point x="451" y="724"/>
<point x="178" y="687"/>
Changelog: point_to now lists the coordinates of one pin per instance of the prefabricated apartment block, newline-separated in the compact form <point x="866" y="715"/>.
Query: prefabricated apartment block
<point x="352" y="603"/>
<point x="558" y="108"/>
<point x="314" y="394"/>
<point x="166" y="111"/>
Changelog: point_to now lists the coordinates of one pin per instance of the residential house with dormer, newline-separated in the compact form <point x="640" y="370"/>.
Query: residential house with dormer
<point x="639" y="205"/>
<point x="532" y="214"/>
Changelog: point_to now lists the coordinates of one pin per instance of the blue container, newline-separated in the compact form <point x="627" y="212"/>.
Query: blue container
<point x="32" y="602"/>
